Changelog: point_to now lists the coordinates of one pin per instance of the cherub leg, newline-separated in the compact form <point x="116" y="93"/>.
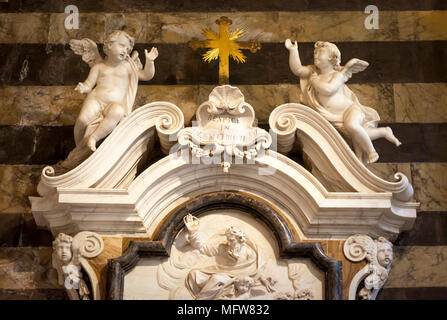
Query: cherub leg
<point x="383" y="132"/>
<point x="352" y="121"/>
<point x="89" y="112"/>
<point x="114" y="114"/>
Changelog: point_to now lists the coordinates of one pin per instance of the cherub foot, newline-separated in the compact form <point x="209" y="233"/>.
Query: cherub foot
<point x="391" y="138"/>
<point x="373" y="156"/>
<point x="91" y="143"/>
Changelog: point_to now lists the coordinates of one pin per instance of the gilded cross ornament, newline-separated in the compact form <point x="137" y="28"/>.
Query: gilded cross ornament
<point x="224" y="45"/>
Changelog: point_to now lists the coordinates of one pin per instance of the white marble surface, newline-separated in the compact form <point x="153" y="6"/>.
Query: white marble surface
<point x="148" y="280"/>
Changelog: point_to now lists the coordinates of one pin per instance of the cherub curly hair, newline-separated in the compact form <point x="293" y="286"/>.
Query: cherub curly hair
<point x="62" y="237"/>
<point x="335" y="58"/>
<point x="233" y="231"/>
<point x="114" y="35"/>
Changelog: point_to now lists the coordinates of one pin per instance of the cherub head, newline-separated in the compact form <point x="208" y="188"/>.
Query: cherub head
<point x="235" y="236"/>
<point x="384" y="252"/>
<point x="62" y="247"/>
<point x="242" y="285"/>
<point x="118" y="45"/>
<point x="326" y="54"/>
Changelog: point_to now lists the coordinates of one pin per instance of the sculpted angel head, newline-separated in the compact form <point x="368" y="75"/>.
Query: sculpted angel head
<point x="327" y="53"/>
<point x="62" y="248"/>
<point x="118" y="44"/>
<point x="384" y="252"/>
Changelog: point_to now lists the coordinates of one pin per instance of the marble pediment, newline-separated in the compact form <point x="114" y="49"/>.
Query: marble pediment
<point x="337" y="198"/>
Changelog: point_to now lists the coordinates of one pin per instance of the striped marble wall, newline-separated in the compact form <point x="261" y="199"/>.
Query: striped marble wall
<point x="406" y="82"/>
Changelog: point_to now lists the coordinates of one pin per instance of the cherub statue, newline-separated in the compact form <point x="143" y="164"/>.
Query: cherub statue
<point x="323" y="88"/>
<point x="68" y="268"/>
<point x="111" y="85"/>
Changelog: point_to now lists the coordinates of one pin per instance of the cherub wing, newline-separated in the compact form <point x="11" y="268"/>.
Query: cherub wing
<point x="136" y="59"/>
<point x="87" y="49"/>
<point x="354" y="66"/>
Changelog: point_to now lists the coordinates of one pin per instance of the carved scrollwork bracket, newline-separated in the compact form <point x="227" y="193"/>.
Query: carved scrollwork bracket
<point x="379" y="254"/>
<point x="69" y="258"/>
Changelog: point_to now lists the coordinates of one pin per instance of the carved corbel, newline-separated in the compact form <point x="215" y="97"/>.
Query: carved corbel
<point x="379" y="254"/>
<point x="69" y="258"/>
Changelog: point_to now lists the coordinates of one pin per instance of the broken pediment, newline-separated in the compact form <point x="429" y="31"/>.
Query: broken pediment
<point x="104" y="195"/>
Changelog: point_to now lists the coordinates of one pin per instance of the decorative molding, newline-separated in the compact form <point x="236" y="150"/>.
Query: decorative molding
<point x="314" y="212"/>
<point x="112" y="166"/>
<point x="379" y="254"/>
<point x="102" y="195"/>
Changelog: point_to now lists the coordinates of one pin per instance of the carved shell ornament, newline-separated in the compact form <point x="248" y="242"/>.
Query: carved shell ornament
<point x="225" y="127"/>
<point x="226" y="98"/>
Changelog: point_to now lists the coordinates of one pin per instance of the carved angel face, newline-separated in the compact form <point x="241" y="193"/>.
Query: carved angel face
<point x="63" y="251"/>
<point x="120" y="48"/>
<point x="242" y="285"/>
<point x="322" y="58"/>
<point x="384" y="255"/>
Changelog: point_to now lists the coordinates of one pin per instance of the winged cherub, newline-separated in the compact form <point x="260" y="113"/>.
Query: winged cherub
<point x="111" y="85"/>
<point x="323" y="88"/>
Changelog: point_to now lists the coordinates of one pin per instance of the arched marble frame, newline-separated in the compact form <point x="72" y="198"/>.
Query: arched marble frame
<point x="166" y="233"/>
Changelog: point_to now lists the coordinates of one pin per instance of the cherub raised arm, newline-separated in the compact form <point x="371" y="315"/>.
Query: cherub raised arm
<point x="111" y="85"/>
<point x="323" y="88"/>
<point x="192" y="225"/>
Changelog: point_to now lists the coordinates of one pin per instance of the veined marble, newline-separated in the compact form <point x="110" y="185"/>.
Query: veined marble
<point x="149" y="27"/>
<point x="430" y="181"/>
<point x="422" y="25"/>
<point x="60" y="105"/>
<point x="26" y="268"/>
<point x="420" y="102"/>
<point x="16" y="184"/>
<point x="386" y="170"/>
<point x="418" y="266"/>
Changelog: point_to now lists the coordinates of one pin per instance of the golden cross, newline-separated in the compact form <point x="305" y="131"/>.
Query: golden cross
<point x="222" y="46"/>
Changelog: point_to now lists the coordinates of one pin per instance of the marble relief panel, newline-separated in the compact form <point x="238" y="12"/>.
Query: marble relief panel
<point x="209" y="260"/>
